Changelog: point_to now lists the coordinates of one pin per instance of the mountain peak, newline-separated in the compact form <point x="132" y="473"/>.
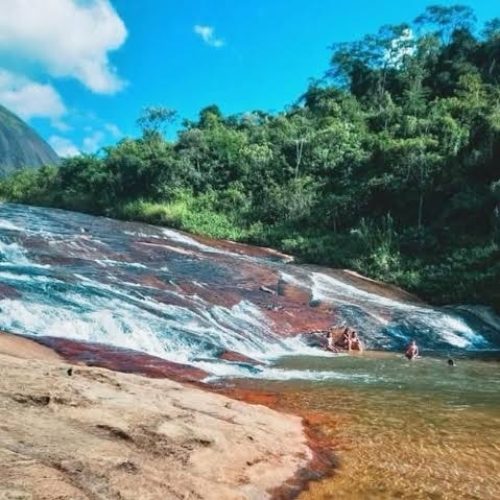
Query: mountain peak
<point x="21" y="146"/>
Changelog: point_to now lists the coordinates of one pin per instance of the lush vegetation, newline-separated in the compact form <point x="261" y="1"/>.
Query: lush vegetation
<point x="389" y="165"/>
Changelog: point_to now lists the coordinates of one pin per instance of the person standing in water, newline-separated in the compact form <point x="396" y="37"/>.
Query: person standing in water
<point x="412" y="350"/>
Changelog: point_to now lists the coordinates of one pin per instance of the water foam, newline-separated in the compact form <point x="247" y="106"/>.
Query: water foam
<point x="403" y="322"/>
<point x="9" y="226"/>
<point x="118" y="263"/>
<point x="95" y="302"/>
<point x="224" y="371"/>
<point x="327" y="288"/>
<point x="12" y="253"/>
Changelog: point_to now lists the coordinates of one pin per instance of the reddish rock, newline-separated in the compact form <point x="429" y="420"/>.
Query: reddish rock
<point x="224" y="296"/>
<point x="57" y="260"/>
<point x="242" y="248"/>
<point x="152" y="281"/>
<point x="8" y="292"/>
<point x="123" y="360"/>
<point x="290" y="319"/>
<point x="294" y="293"/>
<point x="238" y="358"/>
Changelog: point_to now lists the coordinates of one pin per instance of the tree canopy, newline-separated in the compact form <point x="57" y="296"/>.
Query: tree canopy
<point x="390" y="164"/>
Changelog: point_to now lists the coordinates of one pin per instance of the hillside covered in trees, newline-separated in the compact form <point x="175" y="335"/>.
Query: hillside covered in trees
<point x="389" y="165"/>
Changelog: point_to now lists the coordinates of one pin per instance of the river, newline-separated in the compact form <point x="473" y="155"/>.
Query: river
<point x="402" y="430"/>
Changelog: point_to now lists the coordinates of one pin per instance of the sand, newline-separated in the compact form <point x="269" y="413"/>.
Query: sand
<point x="99" y="434"/>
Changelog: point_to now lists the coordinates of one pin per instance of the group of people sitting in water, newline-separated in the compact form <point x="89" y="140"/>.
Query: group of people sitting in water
<point x="344" y="338"/>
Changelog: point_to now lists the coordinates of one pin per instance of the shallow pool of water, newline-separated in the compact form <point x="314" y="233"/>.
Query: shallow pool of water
<point x="402" y="429"/>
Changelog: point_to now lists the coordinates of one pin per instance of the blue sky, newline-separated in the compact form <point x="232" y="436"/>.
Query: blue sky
<point x="80" y="71"/>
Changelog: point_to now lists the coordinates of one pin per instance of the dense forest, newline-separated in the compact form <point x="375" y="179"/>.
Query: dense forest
<point x="389" y="165"/>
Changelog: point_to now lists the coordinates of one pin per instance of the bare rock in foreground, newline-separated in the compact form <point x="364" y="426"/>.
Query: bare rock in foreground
<point x="90" y="433"/>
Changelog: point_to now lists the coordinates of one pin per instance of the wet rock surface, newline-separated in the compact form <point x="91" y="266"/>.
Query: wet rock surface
<point x="121" y="360"/>
<point x="188" y="300"/>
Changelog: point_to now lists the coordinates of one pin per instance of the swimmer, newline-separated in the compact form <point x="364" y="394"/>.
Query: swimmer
<point x="412" y="351"/>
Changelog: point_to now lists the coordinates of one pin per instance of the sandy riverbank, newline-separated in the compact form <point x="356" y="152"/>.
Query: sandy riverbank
<point x="100" y="434"/>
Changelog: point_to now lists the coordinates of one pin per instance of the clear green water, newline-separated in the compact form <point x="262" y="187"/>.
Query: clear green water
<point x="403" y="429"/>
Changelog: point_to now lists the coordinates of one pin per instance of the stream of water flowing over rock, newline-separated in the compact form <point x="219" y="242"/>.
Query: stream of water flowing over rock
<point x="403" y="430"/>
<point x="187" y="300"/>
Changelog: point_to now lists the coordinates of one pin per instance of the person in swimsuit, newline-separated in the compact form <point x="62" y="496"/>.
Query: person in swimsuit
<point x="331" y="340"/>
<point x="356" y="342"/>
<point x="412" y="350"/>
<point x="345" y="340"/>
<point x="350" y="340"/>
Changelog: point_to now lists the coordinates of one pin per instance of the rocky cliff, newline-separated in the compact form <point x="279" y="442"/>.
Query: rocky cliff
<point x="20" y="145"/>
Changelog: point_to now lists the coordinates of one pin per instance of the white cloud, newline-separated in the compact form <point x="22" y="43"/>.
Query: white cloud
<point x="63" y="146"/>
<point x="67" y="38"/>
<point x="30" y="99"/>
<point x="113" y="130"/>
<point x="207" y="34"/>
<point x="93" y="142"/>
<point x="61" y="125"/>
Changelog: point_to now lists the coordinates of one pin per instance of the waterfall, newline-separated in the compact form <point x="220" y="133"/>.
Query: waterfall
<point x="436" y="328"/>
<point x="164" y="293"/>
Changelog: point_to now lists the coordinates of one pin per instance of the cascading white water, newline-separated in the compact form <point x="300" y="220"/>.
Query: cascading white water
<point x="77" y="306"/>
<point x="98" y="285"/>
<point x="368" y="311"/>
<point x="12" y="253"/>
